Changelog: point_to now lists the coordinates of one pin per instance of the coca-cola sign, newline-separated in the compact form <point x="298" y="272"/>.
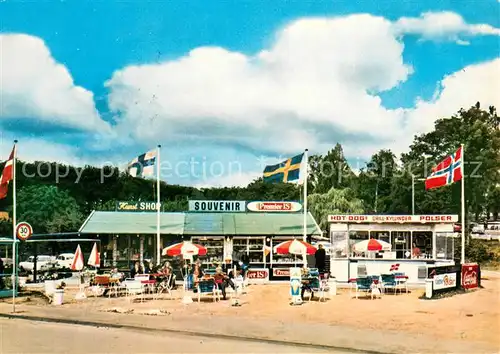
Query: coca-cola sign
<point x="281" y="272"/>
<point x="470" y="275"/>
<point x="258" y="275"/>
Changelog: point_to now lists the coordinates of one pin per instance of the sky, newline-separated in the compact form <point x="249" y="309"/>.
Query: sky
<point x="226" y="87"/>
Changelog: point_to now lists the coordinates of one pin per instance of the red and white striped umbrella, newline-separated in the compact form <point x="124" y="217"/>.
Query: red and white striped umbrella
<point x="94" y="259"/>
<point x="294" y="247"/>
<point x="184" y="249"/>
<point x="77" y="263"/>
<point x="372" y="245"/>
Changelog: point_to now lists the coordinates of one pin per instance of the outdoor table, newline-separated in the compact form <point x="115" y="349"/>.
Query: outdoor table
<point x="148" y="284"/>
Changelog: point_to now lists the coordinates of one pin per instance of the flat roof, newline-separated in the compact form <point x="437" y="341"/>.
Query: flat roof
<point x="200" y="223"/>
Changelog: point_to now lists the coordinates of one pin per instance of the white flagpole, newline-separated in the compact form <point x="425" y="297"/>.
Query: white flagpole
<point x="158" y="246"/>
<point x="304" y="236"/>
<point x="463" y="205"/>
<point x="14" y="223"/>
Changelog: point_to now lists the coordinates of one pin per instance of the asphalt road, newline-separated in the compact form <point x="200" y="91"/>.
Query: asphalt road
<point x="22" y="336"/>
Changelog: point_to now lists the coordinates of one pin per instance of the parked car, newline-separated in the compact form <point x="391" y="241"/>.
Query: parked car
<point x="64" y="260"/>
<point x="42" y="262"/>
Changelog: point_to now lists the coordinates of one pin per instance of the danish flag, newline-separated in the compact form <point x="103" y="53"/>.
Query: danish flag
<point x="7" y="174"/>
<point x="450" y="170"/>
<point x="394" y="267"/>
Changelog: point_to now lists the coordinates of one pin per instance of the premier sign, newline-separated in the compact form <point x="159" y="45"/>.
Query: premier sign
<point x="274" y="206"/>
<point x="217" y="206"/>
<point x="281" y="272"/>
<point x="402" y="219"/>
<point x="257" y="275"/>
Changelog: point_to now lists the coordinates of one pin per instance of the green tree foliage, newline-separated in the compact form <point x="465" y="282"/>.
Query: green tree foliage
<point x="48" y="209"/>
<point x="335" y="201"/>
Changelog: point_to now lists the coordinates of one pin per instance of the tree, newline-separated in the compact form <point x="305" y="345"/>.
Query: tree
<point x="335" y="201"/>
<point x="329" y="171"/>
<point x="478" y="130"/>
<point x="48" y="209"/>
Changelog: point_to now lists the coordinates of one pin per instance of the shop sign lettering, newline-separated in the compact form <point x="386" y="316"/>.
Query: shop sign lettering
<point x="217" y="206"/>
<point x="281" y="272"/>
<point x="417" y="219"/>
<point x="257" y="275"/>
<point x="274" y="206"/>
<point x="137" y="206"/>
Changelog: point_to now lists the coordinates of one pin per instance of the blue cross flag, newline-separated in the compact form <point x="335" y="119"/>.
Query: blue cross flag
<point x="143" y="165"/>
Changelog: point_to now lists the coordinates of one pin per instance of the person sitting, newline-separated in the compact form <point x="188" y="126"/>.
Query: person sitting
<point x="136" y="270"/>
<point x="115" y="274"/>
<point x="197" y="271"/>
<point x="227" y="267"/>
<point x="222" y="281"/>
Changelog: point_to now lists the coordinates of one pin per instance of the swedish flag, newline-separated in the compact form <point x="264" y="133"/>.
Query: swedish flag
<point x="286" y="171"/>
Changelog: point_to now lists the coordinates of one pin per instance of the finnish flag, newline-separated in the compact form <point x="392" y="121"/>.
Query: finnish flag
<point x="143" y="165"/>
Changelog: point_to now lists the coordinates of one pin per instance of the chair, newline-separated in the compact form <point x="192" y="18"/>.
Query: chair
<point x="209" y="271"/>
<point x="401" y="281"/>
<point x="207" y="287"/>
<point x="134" y="288"/>
<point x="100" y="284"/>
<point x="319" y="286"/>
<point x="364" y="284"/>
<point x="165" y="286"/>
<point x="314" y="272"/>
<point x="389" y="282"/>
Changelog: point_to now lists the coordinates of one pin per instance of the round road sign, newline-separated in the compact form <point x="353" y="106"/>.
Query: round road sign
<point x="24" y="231"/>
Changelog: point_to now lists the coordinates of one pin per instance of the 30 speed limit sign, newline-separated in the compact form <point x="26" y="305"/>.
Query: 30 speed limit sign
<point x="24" y="231"/>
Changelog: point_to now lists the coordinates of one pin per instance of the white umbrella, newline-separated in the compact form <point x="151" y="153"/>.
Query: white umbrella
<point x="372" y="245"/>
<point x="94" y="259"/>
<point x="77" y="263"/>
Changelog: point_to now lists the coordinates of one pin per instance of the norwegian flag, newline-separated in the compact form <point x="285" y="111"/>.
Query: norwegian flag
<point x="450" y="170"/>
<point x="394" y="267"/>
<point x="7" y="174"/>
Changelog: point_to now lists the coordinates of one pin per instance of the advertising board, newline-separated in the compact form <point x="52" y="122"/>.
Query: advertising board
<point x="274" y="206"/>
<point x="402" y="219"/>
<point x="445" y="281"/>
<point x="230" y="206"/>
<point x="257" y="275"/>
<point x="281" y="272"/>
<point x="470" y="275"/>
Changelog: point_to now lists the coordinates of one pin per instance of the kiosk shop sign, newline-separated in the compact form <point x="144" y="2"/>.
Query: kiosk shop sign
<point x="137" y="206"/>
<point x="445" y="281"/>
<point x="274" y="206"/>
<point x="403" y="219"/>
<point x="230" y="206"/>
<point x="281" y="272"/>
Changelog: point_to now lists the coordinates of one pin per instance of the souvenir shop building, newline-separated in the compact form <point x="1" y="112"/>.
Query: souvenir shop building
<point x="417" y="241"/>
<point x="229" y="229"/>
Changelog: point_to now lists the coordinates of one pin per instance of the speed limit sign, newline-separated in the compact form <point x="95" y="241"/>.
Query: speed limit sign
<point x="24" y="231"/>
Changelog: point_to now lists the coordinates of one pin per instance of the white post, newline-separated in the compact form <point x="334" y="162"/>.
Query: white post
<point x="304" y="236"/>
<point x="158" y="209"/>
<point x="14" y="223"/>
<point x="412" y="194"/>
<point x="463" y="205"/>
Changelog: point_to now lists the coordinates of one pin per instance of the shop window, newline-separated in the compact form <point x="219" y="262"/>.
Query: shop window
<point x="401" y="244"/>
<point x="445" y="245"/>
<point x="355" y="237"/>
<point x="215" y="249"/>
<point x="256" y="250"/>
<point x="339" y="247"/>
<point x="6" y="266"/>
<point x="422" y="245"/>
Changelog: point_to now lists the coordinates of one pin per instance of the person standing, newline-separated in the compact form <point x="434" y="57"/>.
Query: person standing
<point x="320" y="257"/>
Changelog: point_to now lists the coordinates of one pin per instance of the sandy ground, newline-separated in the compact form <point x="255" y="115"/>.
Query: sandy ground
<point x="474" y="316"/>
<point x="58" y="338"/>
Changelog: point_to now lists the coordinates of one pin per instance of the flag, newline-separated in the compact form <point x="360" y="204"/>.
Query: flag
<point x="286" y="171"/>
<point x="143" y="165"/>
<point x="7" y="174"/>
<point x="450" y="170"/>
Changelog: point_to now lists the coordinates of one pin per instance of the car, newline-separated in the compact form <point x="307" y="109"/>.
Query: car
<point x="42" y="261"/>
<point x="64" y="260"/>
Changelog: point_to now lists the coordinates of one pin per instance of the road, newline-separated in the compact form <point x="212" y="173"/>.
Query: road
<point x="23" y="336"/>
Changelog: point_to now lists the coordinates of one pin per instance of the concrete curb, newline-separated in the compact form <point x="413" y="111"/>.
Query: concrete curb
<point x="184" y="332"/>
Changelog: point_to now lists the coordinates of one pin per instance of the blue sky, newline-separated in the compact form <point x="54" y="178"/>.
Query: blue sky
<point x="229" y="82"/>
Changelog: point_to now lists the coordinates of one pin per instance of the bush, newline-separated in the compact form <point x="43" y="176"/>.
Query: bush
<point x="477" y="251"/>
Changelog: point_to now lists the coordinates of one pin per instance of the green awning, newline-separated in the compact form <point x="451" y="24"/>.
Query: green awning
<point x="120" y="222"/>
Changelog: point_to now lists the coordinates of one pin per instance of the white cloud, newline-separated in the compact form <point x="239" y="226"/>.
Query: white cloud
<point x="307" y="82"/>
<point x="34" y="86"/>
<point x="444" y="25"/>
<point x="238" y="179"/>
